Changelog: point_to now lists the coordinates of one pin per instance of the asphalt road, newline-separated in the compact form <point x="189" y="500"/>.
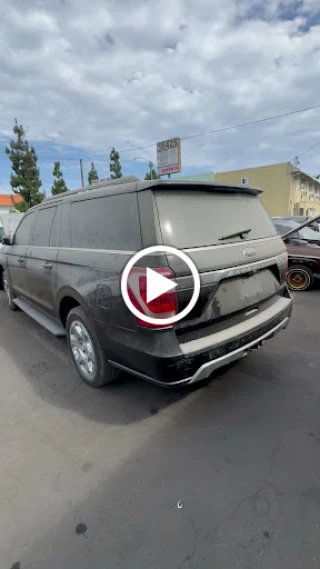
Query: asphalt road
<point x="134" y="476"/>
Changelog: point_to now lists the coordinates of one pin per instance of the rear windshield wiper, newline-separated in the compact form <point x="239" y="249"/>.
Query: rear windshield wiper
<point x="240" y="234"/>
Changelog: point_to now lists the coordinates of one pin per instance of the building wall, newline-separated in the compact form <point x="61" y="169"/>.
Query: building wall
<point x="274" y="180"/>
<point x="205" y="177"/>
<point x="5" y="209"/>
<point x="305" y="195"/>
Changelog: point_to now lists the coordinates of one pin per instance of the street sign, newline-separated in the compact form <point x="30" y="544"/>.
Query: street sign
<point x="169" y="156"/>
<point x="98" y="180"/>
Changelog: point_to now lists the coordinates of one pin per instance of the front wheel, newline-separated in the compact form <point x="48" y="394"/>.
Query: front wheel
<point x="8" y="291"/>
<point x="86" y="352"/>
<point x="299" y="277"/>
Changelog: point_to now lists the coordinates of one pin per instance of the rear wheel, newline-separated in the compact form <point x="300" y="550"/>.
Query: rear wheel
<point x="86" y="352"/>
<point x="300" y="277"/>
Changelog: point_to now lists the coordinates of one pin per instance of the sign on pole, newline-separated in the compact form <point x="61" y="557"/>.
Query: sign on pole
<point x="98" y="180"/>
<point x="169" y="156"/>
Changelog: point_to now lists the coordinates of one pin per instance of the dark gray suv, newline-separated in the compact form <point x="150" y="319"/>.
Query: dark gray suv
<point x="64" y="263"/>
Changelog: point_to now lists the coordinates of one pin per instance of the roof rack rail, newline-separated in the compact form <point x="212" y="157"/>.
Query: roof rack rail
<point x="107" y="183"/>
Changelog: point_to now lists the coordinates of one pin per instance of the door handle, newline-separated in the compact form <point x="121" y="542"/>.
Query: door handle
<point x="47" y="265"/>
<point x="21" y="260"/>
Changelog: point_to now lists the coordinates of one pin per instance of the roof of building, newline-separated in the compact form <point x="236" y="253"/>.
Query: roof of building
<point x="6" y="200"/>
<point x="296" y="170"/>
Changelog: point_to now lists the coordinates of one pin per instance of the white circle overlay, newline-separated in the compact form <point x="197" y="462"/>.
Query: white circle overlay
<point x="172" y="251"/>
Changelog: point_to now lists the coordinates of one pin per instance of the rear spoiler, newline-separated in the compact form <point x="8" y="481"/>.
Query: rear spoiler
<point x="305" y="224"/>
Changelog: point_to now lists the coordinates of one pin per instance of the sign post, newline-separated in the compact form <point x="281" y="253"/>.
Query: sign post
<point x="169" y="156"/>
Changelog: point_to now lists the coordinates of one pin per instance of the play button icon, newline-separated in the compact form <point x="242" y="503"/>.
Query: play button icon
<point x="157" y="285"/>
<point x="152" y="294"/>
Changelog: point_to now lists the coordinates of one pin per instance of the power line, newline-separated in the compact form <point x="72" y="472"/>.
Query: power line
<point x="204" y="133"/>
<point x="227" y="128"/>
<point x="305" y="151"/>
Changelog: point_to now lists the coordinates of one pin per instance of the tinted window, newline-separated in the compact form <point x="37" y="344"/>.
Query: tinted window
<point x="65" y="237"/>
<point x="55" y="230"/>
<point x="41" y="234"/>
<point x="190" y="218"/>
<point x="1" y="232"/>
<point x="106" y="223"/>
<point x="22" y="235"/>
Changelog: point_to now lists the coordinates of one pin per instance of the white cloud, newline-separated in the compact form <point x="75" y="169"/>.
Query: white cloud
<point x="94" y="75"/>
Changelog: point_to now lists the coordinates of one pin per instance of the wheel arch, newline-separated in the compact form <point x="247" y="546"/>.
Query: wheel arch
<point x="310" y="263"/>
<point x="68" y="299"/>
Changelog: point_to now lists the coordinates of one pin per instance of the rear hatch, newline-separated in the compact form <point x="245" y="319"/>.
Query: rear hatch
<point x="232" y="241"/>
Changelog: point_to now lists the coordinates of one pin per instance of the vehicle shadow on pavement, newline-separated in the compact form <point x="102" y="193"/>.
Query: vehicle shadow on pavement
<point x="44" y="363"/>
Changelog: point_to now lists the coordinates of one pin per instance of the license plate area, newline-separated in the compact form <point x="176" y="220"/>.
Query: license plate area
<point x="239" y="293"/>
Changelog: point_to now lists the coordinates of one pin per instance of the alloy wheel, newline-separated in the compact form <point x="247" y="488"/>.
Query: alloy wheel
<point x="82" y="349"/>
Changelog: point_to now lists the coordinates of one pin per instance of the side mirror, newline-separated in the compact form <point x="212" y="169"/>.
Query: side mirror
<point x="6" y="240"/>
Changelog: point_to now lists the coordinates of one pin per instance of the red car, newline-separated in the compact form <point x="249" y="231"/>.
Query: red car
<point x="304" y="260"/>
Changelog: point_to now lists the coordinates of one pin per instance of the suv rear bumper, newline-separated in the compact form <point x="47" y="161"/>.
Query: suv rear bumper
<point x="196" y="360"/>
<point x="205" y="370"/>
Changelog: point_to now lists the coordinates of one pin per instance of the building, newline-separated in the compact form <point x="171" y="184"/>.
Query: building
<point x="6" y="203"/>
<point x="287" y="190"/>
<point x="205" y="177"/>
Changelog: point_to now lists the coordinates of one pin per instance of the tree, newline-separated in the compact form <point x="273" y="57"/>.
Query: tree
<point x="115" y="166"/>
<point x="25" y="177"/>
<point x="152" y="174"/>
<point x="93" y="174"/>
<point x="59" y="185"/>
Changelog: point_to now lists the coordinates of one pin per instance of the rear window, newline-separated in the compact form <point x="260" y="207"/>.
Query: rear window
<point x="198" y="219"/>
<point x="106" y="223"/>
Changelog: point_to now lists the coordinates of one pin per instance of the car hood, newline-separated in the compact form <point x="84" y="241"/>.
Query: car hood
<point x="305" y="224"/>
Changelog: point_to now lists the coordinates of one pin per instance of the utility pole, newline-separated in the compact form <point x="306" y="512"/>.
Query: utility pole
<point x="151" y="168"/>
<point x="81" y="173"/>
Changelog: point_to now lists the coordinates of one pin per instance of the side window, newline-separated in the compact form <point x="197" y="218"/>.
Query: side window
<point x="65" y="239"/>
<point x="22" y="235"/>
<point x="111" y="222"/>
<point x="41" y="234"/>
<point x="55" y="230"/>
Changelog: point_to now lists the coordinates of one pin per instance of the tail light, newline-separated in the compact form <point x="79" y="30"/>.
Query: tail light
<point x="164" y="306"/>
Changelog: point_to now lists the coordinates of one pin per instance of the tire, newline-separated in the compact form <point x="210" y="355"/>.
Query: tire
<point x="8" y="290"/>
<point x="86" y="351"/>
<point x="299" y="277"/>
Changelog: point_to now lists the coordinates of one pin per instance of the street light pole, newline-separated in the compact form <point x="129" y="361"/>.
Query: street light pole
<point x="149" y="163"/>
<point x="81" y="173"/>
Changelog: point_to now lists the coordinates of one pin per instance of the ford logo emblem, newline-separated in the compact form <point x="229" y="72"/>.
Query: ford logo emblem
<point x="249" y="252"/>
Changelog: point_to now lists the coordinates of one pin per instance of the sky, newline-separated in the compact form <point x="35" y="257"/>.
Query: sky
<point x="82" y="77"/>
